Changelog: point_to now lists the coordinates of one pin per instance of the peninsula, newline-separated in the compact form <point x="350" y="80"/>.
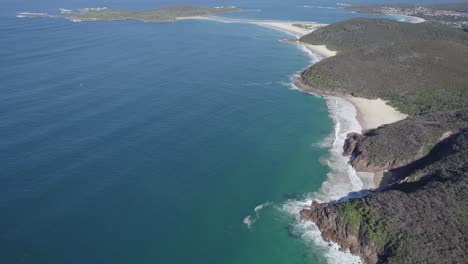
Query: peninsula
<point x="419" y="212"/>
<point x="163" y="14"/>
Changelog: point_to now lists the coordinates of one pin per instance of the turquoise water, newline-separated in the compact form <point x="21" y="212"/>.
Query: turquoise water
<point x="124" y="142"/>
<point x="129" y="142"/>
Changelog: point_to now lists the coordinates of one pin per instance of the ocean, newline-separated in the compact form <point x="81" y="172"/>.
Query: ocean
<point x="131" y="142"/>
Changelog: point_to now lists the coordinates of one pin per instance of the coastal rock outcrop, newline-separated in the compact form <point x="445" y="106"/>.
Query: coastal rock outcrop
<point x="420" y="219"/>
<point x="396" y="145"/>
<point x="335" y="228"/>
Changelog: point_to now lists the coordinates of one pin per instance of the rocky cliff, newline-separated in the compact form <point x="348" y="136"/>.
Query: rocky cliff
<point x="396" y="145"/>
<point x="421" y="219"/>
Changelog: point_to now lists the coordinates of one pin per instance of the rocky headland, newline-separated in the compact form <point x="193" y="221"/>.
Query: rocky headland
<point x="419" y="213"/>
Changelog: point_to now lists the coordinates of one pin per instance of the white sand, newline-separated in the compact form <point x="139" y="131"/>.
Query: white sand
<point x="298" y="32"/>
<point x="320" y="49"/>
<point x="289" y="27"/>
<point x="413" y="19"/>
<point x="374" y="113"/>
<point x="370" y="113"/>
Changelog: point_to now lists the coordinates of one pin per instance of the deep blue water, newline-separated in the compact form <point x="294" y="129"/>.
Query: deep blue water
<point x="130" y="142"/>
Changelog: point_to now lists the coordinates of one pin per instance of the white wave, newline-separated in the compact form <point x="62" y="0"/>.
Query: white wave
<point x="343" y="4"/>
<point x="260" y="207"/>
<point x="257" y="83"/>
<point x="288" y="85"/>
<point x="311" y="235"/>
<point x="342" y="181"/>
<point x="248" y="221"/>
<point x="314" y="57"/>
<point x="63" y="10"/>
<point x="320" y="7"/>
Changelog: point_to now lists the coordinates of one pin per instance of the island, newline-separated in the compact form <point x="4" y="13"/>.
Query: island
<point x="418" y="213"/>
<point x="163" y="14"/>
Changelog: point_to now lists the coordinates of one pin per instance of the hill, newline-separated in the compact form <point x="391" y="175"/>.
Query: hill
<point x="419" y="213"/>
<point x="418" y="68"/>
<point x="422" y="221"/>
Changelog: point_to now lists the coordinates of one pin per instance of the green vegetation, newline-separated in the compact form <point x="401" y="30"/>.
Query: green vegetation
<point x="304" y="26"/>
<point x="418" y="68"/>
<point x="361" y="218"/>
<point x="421" y="216"/>
<point x="405" y="141"/>
<point x="421" y="219"/>
<point x="321" y="80"/>
<point x="164" y="14"/>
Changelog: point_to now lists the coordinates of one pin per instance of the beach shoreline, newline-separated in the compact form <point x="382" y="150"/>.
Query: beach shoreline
<point x="370" y="113"/>
<point x="412" y="19"/>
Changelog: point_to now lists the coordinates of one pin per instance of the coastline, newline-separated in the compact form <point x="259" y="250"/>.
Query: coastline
<point x="412" y="19"/>
<point x="369" y="113"/>
<point x="372" y="113"/>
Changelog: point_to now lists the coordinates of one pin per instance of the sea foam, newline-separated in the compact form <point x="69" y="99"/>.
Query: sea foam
<point x="341" y="181"/>
<point x="249" y="220"/>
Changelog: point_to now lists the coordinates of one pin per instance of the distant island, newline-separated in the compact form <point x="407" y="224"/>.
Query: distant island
<point x="163" y="14"/>
<point x="455" y="14"/>
<point x="419" y="212"/>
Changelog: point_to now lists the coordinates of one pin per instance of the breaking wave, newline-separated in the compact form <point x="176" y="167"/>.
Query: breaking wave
<point x="320" y="7"/>
<point x="249" y="220"/>
<point x="341" y="181"/>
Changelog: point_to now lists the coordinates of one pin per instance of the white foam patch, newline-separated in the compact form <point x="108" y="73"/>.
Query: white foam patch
<point x="249" y="220"/>
<point x="314" y="57"/>
<point x="342" y="183"/>
<point x="320" y="7"/>
<point x="260" y="207"/>
<point x="64" y="11"/>
<point x="343" y="4"/>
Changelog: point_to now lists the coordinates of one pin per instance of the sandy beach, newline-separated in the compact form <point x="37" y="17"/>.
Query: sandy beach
<point x="299" y="29"/>
<point x="369" y="113"/>
<point x="374" y="113"/>
<point x="413" y="19"/>
<point x="296" y="28"/>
